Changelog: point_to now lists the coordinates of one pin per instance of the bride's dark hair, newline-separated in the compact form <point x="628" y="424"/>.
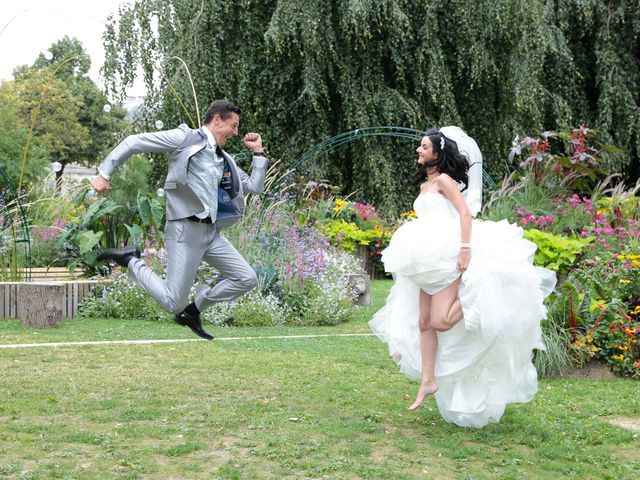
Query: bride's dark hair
<point x="449" y="161"/>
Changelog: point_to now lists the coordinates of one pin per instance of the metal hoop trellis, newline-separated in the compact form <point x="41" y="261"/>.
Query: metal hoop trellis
<point x="338" y="141"/>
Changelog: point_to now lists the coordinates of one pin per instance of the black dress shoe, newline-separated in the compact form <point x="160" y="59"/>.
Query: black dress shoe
<point x="122" y="256"/>
<point x="193" y="322"/>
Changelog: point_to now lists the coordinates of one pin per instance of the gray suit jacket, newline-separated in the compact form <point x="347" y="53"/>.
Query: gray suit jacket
<point x="182" y="143"/>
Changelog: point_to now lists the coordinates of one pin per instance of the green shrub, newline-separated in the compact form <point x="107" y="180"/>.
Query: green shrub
<point x="257" y="310"/>
<point x="121" y="299"/>
<point x="328" y="304"/>
<point x="556" y="252"/>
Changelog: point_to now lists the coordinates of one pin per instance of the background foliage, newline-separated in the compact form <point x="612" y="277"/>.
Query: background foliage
<point x="305" y="70"/>
<point x="52" y="111"/>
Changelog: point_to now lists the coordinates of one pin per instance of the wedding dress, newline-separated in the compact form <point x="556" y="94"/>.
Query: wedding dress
<point x="484" y="362"/>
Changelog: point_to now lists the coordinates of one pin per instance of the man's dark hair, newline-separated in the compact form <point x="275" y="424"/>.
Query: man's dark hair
<point x="224" y="108"/>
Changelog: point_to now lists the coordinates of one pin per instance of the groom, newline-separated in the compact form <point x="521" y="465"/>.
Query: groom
<point x="204" y="192"/>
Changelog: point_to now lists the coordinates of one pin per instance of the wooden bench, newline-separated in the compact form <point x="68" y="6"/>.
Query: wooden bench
<point x="50" y="273"/>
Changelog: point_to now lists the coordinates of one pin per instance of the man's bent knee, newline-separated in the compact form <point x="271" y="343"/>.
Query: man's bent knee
<point x="249" y="281"/>
<point x="173" y="305"/>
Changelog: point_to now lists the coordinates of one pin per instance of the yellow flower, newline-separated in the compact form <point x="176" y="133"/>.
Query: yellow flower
<point x="635" y="263"/>
<point x="625" y="281"/>
<point x="628" y="257"/>
<point x="410" y="213"/>
<point x="618" y="357"/>
<point x="340" y="204"/>
<point x="622" y="347"/>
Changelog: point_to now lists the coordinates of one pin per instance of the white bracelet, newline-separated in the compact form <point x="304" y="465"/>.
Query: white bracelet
<point x="465" y="245"/>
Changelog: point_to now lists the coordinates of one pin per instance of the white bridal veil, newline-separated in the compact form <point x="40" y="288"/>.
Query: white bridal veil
<point x="469" y="148"/>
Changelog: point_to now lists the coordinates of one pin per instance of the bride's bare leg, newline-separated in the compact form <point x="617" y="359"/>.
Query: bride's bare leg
<point x="446" y="310"/>
<point x="428" y="349"/>
<point x="455" y="313"/>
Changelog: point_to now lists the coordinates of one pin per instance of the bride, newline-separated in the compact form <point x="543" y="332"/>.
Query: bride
<point x="463" y="315"/>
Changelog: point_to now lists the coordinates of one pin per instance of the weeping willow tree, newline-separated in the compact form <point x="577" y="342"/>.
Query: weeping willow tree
<point x="305" y="70"/>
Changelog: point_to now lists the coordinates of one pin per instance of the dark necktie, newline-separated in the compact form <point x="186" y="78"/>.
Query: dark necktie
<point x="225" y="181"/>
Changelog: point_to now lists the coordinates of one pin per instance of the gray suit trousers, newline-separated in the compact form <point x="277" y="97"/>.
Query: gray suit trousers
<point x="187" y="244"/>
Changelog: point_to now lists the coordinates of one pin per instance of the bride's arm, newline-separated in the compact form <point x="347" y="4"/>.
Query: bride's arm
<point x="450" y="189"/>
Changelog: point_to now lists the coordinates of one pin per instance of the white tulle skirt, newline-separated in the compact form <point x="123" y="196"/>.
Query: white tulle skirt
<point x="484" y="362"/>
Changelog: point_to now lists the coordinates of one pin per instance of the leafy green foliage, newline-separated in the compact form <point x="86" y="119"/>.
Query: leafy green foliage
<point x="604" y="313"/>
<point x="13" y="138"/>
<point x="121" y="299"/>
<point x="556" y="252"/>
<point x="304" y="71"/>
<point x="47" y="103"/>
<point x="72" y="64"/>
<point x="130" y="214"/>
<point x="52" y="111"/>
<point x="347" y="235"/>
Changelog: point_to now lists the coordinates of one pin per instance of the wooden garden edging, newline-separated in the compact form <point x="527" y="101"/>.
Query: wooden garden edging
<point x="72" y="293"/>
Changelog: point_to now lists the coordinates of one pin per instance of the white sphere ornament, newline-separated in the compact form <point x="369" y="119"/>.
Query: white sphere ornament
<point x="56" y="167"/>
<point x="91" y="195"/>
<point x="160" y="192"/>
<point x="107" y="108"/>
<point x="48" y="55"/>
<point x="159" y="124"/>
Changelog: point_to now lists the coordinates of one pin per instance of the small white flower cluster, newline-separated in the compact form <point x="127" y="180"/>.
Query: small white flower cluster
<point x="266" y="306"/>
<point x="220" y="313"/>
<point x="340" y="264"/>
<point x="332" y="305"/>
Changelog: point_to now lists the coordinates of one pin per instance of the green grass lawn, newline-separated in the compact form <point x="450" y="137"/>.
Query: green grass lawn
<point x="324" y="407"/>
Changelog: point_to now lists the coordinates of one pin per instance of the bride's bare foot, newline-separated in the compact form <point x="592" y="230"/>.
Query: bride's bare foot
<point x="426" y="388"/>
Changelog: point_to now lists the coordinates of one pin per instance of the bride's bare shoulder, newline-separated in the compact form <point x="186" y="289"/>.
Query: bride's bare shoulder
<point x="443" y="177"/>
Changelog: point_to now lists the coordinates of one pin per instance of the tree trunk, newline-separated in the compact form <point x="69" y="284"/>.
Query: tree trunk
<point x="40" y="304"/>
<point x="362" y="286"/>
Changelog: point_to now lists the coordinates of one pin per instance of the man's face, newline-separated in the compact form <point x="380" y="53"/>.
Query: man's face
<point x="223" y="129"/>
